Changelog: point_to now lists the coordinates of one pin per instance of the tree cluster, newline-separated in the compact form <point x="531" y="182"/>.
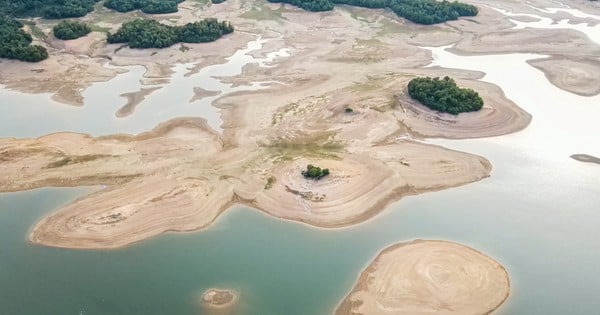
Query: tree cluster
<point x="15" y="43"/>
<point x="146" y="6"/>
<point x="315" y="172"/>
<point x="444" y="95"/>
<point x="49" y="9"/>
<point x="417" y="11"/>
<point x="67" y="30"/>
<point x="217" y="1"/>
<point x="146" y="33"/>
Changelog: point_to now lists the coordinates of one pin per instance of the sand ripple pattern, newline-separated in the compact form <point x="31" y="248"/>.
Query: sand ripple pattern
<point x="428" y="277"/>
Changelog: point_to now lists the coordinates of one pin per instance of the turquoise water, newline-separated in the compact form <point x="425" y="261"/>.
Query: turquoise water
<point x="544" y="233"/>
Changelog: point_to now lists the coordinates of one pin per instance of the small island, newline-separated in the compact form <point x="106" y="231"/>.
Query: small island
<point x="428" y="277"/>
<point x="315" y="172"/>
<point x="218" y="301"/>
<point x="443" y="95"/>
<point x="146" y="33"/>
<point x="67" y="30"/>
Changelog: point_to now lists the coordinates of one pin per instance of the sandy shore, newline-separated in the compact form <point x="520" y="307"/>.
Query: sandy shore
<point x="219" y="302"/>
<point x="428" y="277"/>
<point x="579" y="76"/>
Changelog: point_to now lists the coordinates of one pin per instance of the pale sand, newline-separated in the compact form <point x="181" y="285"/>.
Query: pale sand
<point x="335" y="39"/>
<point x="133" y="100"/>
<point x="428" y="277"/>
<point x="180" y="177"/>
<point x="586" y="158"/>
<point x="580" y="76"/>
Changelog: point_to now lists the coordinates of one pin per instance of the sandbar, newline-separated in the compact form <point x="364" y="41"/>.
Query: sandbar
<point x="428" y="277"/>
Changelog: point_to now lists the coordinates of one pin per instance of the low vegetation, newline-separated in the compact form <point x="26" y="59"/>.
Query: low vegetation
<point x="146" y="33"/>
<point x="146" y="6"/>
<point x="67" y="30"/>
<point x="315" y="172"/>
<point x="16" y="43"/>
<point x="444" y="95"/>
<point x="417" y="11"/>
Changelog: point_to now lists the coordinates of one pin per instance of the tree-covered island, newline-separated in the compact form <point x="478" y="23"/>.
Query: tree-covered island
<point x="146" y="33"/>
<point x="67" y="30"/>
<point x="444" y="95"/>
<point x="417" y="11"/>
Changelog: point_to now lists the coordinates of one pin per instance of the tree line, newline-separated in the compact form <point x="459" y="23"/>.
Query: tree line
<point x="146" y="33"/>
<point x="417" y="11"/>
<point x="15" y="43"/>
<point x="146" y="6"/>
<point x="49" y="9"/>
<point x="444" y="95"/>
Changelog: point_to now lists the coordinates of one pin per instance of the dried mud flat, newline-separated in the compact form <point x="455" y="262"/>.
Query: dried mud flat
<point x="428" y="277"/>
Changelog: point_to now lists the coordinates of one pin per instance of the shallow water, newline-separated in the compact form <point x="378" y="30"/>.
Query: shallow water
<point x="97" y="116"/>
<point x="537" y="215"/>
<point x="592" y="31"/>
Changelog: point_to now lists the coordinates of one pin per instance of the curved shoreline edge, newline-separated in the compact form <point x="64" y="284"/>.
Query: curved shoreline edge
<point x="426" y="277"/>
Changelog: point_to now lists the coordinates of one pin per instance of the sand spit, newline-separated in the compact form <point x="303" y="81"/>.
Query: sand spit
<point x="579" y="76"/>
<point x="586" y="158"/>
<point x="200" y="93"/>
<point x="133" y="100"/>
<point x="428" y="277"/>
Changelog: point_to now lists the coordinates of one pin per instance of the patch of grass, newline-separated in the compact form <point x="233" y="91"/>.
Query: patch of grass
<point x="36" y="31"/>
<point x="75" y="159"/>
<point x="270" y="181"/>
<point x="101" y="29"/>
<point x="316" y="146"/>
<point x="260" y="11"/>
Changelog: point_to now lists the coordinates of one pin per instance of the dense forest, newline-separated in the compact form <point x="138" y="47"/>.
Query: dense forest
<point x="67" y="30"/>
<point x="15" y="43"/>
<point x="444" y="95"/>
<point x="147" y="6"/>
<point x="50" y="9"/>
<point x="145" y="33"/>
<point x="418" y="11"/>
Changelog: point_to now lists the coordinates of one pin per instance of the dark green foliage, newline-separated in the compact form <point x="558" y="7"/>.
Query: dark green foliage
<point x="349" y="110"/>
<point x="418" y="11"/>
<point x="431" y="11"/>
<point x="67" y="30"/>
<point x="147" y="6"/>
<point x="15" y="43"/>
<point x="50" y="9"/>
<point x="444" y="95"/>
<point x="315" y="172"/>
<point x="309" y="5"/>
<point x="145" y="33"/>
<point x="217" y="1"/>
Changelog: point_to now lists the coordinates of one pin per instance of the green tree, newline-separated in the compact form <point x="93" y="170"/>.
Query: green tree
<point x="67" y="30"/>
<point x="444" y="95"/>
